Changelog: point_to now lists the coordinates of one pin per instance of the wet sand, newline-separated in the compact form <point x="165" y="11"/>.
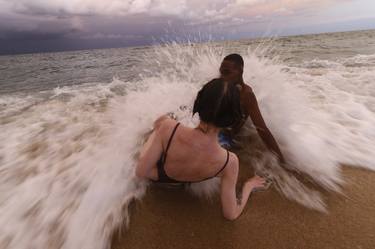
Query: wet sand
<point x="172" y="218"/>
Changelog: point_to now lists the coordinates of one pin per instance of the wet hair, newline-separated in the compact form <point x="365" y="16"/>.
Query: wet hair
<point x="218" y="103"/>
<point x="236" y="58"/>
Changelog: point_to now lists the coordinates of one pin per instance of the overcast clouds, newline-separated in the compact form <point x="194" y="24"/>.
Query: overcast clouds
<point x="34" y="25"/>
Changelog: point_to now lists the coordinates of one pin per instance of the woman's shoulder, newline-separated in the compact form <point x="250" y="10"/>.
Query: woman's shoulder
<point x="233" y="164"/>
<point x="163" y="121"/>
<point x="233" y="159"/>
<point x="164" y="124"/>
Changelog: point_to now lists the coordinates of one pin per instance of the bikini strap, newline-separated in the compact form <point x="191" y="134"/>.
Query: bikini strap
<point x="226" y="162"/>
<point x="170" y="140"/>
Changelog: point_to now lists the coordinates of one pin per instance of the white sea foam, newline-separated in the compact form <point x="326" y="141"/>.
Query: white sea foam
<point x="67" y="162"/>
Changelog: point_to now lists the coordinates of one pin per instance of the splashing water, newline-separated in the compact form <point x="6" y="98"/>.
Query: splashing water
<point x="67" y="161"/>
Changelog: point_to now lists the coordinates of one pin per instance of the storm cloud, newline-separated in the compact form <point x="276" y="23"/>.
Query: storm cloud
<point x="83" y="24"/>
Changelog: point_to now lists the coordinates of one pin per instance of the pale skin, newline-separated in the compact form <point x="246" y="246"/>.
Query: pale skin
<point x="195" y="154"/>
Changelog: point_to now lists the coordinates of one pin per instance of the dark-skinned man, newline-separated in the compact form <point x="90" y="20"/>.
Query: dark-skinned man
<point x="231" y="70"/>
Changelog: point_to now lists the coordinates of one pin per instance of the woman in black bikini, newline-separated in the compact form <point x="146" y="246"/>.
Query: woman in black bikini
<point x="178" y="154"/>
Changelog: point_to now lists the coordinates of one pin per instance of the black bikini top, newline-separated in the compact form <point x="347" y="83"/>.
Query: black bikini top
<point x="162" y="175"/>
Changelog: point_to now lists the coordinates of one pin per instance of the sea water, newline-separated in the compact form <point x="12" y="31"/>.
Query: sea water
<point x="71" y="124"/>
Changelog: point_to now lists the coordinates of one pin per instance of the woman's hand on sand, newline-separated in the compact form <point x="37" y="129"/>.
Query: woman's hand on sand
<point x="256" y="182"/>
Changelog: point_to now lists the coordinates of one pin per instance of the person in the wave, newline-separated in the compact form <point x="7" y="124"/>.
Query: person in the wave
<point x="231" y="70"/>
<point x="175" y="153"/>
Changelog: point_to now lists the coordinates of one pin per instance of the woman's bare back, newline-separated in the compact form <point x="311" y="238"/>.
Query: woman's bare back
<point x="193" y="155"/>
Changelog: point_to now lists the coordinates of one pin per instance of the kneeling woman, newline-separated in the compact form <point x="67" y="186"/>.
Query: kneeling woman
<point x="175" y="153"/>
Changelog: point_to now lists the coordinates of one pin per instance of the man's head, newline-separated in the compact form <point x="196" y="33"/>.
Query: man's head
<point x="231" y="68"/>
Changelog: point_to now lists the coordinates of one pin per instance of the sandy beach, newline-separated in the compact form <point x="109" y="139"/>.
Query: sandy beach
<point x="172" y="218"/>
<point x="82" y="83"/>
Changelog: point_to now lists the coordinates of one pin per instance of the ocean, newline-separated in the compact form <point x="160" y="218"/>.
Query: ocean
<point x="72" y="122"/>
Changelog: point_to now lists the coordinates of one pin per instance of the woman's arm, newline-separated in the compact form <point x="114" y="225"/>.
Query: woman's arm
<point x="151" y="151"/>
<point x="232" y="207"/>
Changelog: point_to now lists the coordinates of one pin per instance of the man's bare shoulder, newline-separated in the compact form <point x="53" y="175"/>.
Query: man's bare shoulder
<point x="247" y="88"/>
<point x="248" y="96"/>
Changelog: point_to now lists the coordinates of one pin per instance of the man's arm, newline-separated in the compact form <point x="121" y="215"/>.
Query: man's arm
<point x="255" y="115"/>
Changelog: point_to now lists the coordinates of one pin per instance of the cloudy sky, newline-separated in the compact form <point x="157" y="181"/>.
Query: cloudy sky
<point x="55" y="25"/>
